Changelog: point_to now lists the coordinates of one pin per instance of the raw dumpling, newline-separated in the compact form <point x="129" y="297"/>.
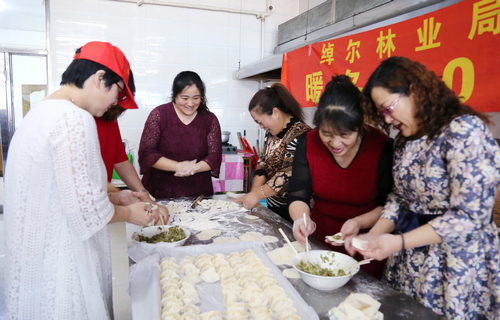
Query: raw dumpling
<point x="258" y="299"/>
<point x="187" y="259"/>
<point x="203" y="263"/>
<point x="173" y="294"/>
<point x="247" y="251"/>
<point x="192" y="278"/>
<point x="190" y="316"/>
<point x="249" y="291"/>
<point x="277" y="303"/>
<point x="210" y="276"/>
<point x="204" y="255"/>
<point x="237" y="306"/>
<point x="168" y="273"/>
<point x="212" y="315"/>
<point x="261" y="313"/>
<point x="236" y="315"/>
<point x="190" y="268"/>
<point x="191" y="308"/>
<point x="166" y="281"/>
<point x="285" y="311"/>
<point x="360" y="244"/>
<point x="234" y="254"/>
<point x="170" y="316"/>
<point x="207" y="268"/>
<point x="172" y="259"/>
<point x="167" y="301"/>
<point x="231" y="296"/>
<point x="190" y="298"/>
<point x="218" y="256"/>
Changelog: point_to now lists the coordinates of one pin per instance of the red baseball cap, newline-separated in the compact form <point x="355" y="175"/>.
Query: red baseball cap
<point x="114" y="59"/>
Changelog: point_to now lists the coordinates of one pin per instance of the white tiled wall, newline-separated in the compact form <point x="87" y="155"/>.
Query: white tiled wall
<point x="161" y="41"/>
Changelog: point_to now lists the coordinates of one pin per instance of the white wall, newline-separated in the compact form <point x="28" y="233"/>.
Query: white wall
<point x="305" y="5"/>
<point x="161" y="41"/>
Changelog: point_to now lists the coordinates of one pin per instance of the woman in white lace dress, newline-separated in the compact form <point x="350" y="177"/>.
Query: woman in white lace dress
<point x="56" y="204"/>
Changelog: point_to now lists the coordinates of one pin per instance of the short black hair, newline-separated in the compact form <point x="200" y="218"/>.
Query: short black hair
<point x="187" y="79"/>
<point x="81" y="69"/>
<point x="340" y="107"/>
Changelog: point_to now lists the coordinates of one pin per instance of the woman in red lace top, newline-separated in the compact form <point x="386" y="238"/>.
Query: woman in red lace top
<point x="345" y="165"/>
<point x="181" y="147"/>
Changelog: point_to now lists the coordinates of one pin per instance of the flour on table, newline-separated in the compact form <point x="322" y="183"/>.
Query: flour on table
<point x="208" y="234"/>
<point x="285" y="254"/>
<point x="226" y="240"/>
<point x="252" y="236"/>
<point x="250" y="217"/>
<point x="291" y="273"/>
<point x="269" y="239"/>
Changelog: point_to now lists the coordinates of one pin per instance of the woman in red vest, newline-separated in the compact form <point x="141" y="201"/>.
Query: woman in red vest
<point x="344" y="165"/>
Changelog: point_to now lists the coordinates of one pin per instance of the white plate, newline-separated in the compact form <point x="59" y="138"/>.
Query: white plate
<point x="151" y="231"/>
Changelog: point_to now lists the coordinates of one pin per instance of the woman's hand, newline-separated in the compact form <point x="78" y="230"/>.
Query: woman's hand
<point x="185" y="168"/>
<point x="378" y="247"/>
<point x="249" y="200"/>
<point x="350" y="228"/>
<point x="348" y="242"/>
<point x="124" y="197"/>
<point x="140" y="213"/>
<point x="163" y="211"/>
<point x="300" y="231"/>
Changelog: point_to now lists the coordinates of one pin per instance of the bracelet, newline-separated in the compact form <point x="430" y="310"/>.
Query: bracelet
<point x="403" y="238"/>
<point x="144" y="190"/>
<point x="262" y="189"/>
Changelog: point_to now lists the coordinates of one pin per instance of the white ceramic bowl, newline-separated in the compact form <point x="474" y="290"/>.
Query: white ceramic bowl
<point x="325" y="283"/>
<point x="151" y="231"/>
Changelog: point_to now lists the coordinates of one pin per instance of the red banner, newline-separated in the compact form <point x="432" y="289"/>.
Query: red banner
<point x="460" y="43"/>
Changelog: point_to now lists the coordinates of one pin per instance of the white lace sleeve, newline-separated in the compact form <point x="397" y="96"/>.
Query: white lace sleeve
<point x="79" y="174"/>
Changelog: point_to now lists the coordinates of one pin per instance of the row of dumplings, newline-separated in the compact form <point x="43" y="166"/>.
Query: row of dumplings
<point x="179" y="297"/>
<point x="246" y="282"/>
<point x="184" y="291"/>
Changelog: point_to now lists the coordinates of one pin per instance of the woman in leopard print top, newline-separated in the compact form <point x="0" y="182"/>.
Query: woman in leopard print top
<point x="275" y="110"/>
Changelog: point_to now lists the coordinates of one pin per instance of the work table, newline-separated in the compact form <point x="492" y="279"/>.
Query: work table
<point x="395" y="305"/>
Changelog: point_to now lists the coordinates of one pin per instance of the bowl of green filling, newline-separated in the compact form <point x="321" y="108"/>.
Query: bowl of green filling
<point x="321" y="272"/>
<point x="162" y="236"/>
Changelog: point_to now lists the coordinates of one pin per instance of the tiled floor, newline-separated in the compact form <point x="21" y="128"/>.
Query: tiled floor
<point x="121" y="301"/>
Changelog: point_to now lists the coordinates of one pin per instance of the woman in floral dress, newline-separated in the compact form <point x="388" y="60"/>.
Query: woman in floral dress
<point x="446" y="173"/>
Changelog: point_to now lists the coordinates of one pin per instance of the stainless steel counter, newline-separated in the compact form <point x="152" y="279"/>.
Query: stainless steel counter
<point x="394" y="305"/>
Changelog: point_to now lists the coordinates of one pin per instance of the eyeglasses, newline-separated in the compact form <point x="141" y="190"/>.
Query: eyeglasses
<point x="121" y="94"/>
<point x="390" y="109"/>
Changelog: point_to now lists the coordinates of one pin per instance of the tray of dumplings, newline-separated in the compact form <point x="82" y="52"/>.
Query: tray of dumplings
<point x="215" y="282"/>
